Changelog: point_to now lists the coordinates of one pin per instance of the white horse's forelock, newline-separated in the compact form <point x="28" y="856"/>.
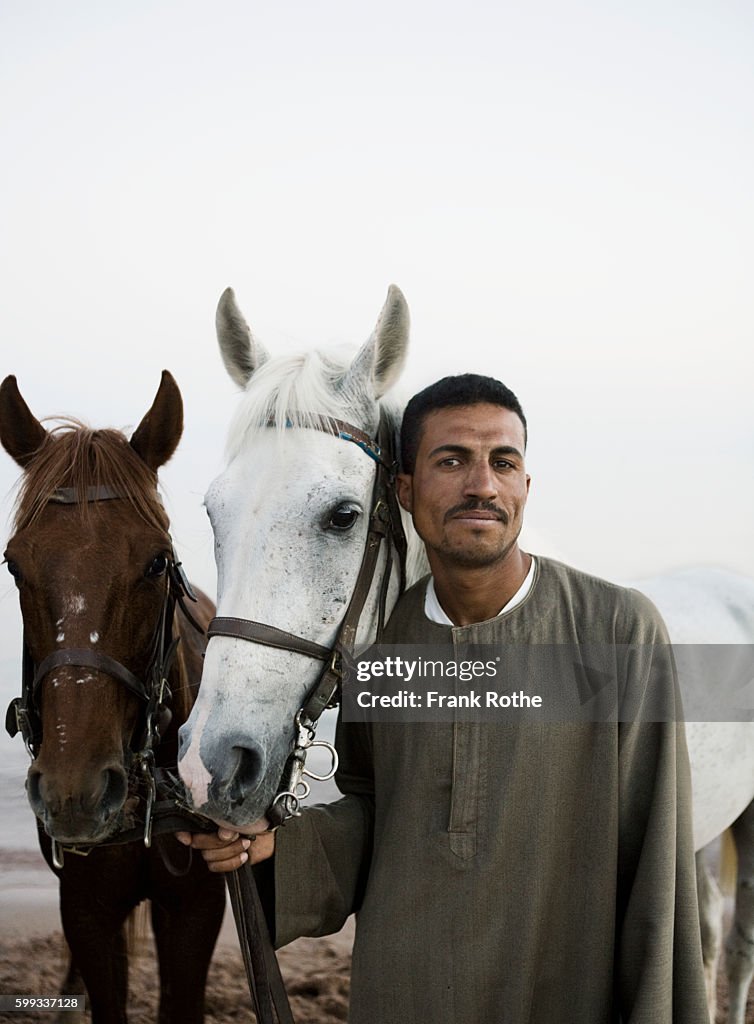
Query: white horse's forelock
<point x="298" y="390"/>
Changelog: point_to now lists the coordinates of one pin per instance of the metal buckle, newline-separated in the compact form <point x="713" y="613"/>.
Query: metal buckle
<point x="57" y="855"/>
<point x="184" y="581"/>
<point x="296" y="786"/>
<point x="59" y="851"/>
<point x="145" y="762"/>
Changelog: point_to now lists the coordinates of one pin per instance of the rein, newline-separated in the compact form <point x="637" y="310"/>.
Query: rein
<point x="23" y="714"/>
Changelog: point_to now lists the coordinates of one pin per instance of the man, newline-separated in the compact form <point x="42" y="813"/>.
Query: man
<point x="522" y="873"/>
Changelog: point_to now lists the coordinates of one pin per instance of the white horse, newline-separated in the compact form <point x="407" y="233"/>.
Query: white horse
<point x="711" y="607"/>
<point x="289" y="515"/>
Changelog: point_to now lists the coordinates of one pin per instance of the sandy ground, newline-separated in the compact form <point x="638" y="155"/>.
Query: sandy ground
<point x="316" y="974"/>
<point x="32" y="960"/>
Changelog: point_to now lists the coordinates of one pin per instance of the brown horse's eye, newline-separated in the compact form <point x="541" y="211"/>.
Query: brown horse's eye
<point x="14" y="570"/>
<point x="158" y="566"/>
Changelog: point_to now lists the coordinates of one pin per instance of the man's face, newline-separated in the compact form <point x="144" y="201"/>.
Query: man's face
<point x="469" y="487"/>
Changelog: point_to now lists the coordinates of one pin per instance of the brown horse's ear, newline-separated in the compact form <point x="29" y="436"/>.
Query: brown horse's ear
<point x="157" y="436"/>
<point x="21" y="433"/>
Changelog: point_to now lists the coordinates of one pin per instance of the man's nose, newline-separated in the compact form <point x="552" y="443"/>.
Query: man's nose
<point x="480" y="481"/>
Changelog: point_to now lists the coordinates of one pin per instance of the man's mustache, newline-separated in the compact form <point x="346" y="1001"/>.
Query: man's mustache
<point x="478" y="506"/>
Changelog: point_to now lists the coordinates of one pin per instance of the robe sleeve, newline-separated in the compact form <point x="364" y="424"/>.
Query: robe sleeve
<point x="659" y="976"/>
<point x="322" y="858"/>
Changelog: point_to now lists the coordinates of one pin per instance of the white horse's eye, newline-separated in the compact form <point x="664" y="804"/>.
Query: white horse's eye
<point x="343" y="517"/>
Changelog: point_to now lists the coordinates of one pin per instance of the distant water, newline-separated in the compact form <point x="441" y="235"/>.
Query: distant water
<point x="18" y="829"/>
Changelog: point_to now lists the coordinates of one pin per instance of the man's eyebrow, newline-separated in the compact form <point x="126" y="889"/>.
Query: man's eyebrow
<point x="460" y="449"/>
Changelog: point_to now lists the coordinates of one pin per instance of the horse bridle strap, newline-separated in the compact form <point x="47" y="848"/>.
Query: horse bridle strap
<point x="72" y="496"/>
<point x="268" y="636"/>
<point x="82" y="657"/>
<point x="345" y="431"/>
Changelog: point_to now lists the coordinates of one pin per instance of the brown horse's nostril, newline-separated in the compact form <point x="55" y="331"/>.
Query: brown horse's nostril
<point x="115" y="791"/>
<point x="33" y="791"/>
<point x="97" y="799"/>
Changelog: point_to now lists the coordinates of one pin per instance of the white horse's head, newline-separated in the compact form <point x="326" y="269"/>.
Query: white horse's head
<point x="290" y="517"/>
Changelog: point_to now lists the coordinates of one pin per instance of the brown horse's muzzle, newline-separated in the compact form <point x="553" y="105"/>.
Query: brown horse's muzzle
<point x="87" y="809"/>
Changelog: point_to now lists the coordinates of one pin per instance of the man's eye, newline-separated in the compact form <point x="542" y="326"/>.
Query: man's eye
<point x="451" y="461"/>
<point x="503" y="464"/>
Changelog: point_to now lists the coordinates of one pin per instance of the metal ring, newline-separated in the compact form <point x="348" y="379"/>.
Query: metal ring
<point x="333" y="754"/>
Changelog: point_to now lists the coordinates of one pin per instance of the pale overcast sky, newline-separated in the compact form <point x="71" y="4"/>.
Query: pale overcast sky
<point x="562" y="191"/>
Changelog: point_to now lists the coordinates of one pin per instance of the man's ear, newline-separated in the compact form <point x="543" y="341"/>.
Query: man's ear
<point x="404" y="487"/>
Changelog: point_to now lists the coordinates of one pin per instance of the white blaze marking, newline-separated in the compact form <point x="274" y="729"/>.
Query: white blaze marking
<point x="93" y="637"/>
<point x="60" y="638"/>
<point x="75" y="604"/>
<point x="192" y="769"/>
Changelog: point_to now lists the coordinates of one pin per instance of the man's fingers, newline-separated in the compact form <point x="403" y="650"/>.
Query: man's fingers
<point x="228" y="854"/>
<point x="262" y="847"/>
<point x="205" y="840"/>
<point x="229" y="864"/>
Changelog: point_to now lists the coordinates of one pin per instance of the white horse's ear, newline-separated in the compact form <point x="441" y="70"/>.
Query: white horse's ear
<point x="241" y="352"/>
<point x="381" y="359"/>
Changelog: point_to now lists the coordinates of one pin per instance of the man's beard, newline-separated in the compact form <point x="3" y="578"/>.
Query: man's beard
<point x="477" y="556"/>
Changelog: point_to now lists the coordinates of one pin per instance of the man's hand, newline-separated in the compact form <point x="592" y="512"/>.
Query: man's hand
<point x="231" y="847"/>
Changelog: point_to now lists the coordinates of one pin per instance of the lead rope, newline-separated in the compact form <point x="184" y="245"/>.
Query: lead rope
<point x="262" y="969"/>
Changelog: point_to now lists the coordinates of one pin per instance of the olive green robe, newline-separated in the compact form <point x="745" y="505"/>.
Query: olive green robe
<point x="526" y="873"/>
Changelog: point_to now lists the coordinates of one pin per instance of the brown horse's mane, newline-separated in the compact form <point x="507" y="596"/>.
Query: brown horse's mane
<point x="74" y="455"/>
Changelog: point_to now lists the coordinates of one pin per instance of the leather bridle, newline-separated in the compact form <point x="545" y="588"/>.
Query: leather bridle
<point x="24" y="716"/>
<point x="384" y="525"/>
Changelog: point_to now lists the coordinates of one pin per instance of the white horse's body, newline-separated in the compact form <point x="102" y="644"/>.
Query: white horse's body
<point x="283" y="559"/>
<point x="710" y="607"/>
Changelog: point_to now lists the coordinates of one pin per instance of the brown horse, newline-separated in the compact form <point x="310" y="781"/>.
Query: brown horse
<point x="105" y="689"/>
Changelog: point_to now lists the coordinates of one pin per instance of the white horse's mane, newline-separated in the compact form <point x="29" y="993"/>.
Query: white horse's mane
<point x="298" y="390"/>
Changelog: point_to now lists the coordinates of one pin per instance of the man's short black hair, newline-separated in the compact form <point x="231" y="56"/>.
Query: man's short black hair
<point x="465" y="389"/>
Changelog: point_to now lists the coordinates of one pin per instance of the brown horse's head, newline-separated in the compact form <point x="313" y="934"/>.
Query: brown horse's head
<point x="91" y="574"/>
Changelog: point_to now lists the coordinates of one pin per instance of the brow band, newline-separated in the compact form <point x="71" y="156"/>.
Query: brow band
<point x="72" y="495"/>
<point x="345" y="431"/>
